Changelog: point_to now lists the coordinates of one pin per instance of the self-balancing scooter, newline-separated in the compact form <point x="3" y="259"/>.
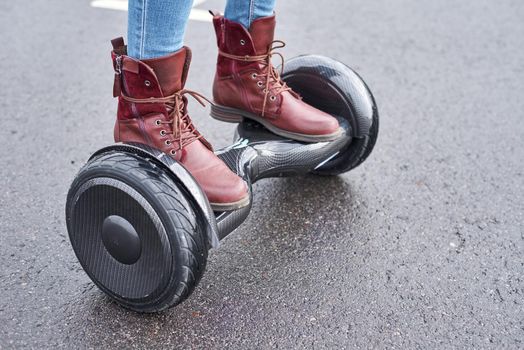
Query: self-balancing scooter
<point x="141" y="226"/>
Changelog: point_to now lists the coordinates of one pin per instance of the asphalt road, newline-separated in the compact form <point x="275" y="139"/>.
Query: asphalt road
<point x="420" y="247"/>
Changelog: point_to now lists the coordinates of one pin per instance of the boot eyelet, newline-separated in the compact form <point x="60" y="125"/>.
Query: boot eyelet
<point x="147" y="83"/>
<point x="260" y="84"/>
<point x="254" y="75"/>
<point x="172" y="152"/>
<point x="158" y="122"/>
<point x="242" y="42"/>
<point x="264" y="91"/>
<point x="272" y="98"/>
<point x="162" y="133"/>
<point x="168" y="143"/>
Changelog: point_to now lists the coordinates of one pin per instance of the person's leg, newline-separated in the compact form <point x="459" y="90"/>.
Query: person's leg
<point x="149" y="81"/>
<point x="246" y="11"/>
<point x="156" y="28"/>
<point x="246" y="84"/>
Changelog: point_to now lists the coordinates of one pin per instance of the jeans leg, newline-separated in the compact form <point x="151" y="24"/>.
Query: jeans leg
<point x="245" y="11"/>
<point x="156" y="27"/>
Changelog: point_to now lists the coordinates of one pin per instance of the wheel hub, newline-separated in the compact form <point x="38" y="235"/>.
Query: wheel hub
<point x="121" y="239"/>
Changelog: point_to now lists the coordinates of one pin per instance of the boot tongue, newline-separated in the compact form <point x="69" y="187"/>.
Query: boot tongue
<point x="171" y="70"/>
<point x="262" y="32"/>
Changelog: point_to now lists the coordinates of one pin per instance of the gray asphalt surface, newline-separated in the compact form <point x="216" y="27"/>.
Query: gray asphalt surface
<point x="420" y="247"/>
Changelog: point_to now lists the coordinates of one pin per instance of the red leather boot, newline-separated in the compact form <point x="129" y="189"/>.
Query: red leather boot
<point x="248" y="86"/>
<point x="152" y="109"/>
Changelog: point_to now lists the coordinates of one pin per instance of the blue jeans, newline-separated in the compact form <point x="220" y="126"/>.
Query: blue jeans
<point x="156" y="27"/>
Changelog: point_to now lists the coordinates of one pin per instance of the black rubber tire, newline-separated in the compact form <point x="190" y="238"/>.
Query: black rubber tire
<point x="185" y="230"/>
<point x="355" y="154"/>
<point x="336" y="89"/>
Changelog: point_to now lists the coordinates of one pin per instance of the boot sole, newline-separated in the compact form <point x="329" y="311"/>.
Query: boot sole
<point x="233" y="115"/>
<point x="230" y="206"/>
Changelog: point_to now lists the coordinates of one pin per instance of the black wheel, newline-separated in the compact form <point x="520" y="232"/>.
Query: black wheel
<point x="135" y="232"/>
<point x="336" y="89"/>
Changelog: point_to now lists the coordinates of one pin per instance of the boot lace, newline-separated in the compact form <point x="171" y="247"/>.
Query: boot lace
<point x="182" y="129"/>
<point x="274" y="84"/>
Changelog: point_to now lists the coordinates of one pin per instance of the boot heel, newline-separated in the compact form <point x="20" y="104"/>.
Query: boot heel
<point x="225" y="114"/>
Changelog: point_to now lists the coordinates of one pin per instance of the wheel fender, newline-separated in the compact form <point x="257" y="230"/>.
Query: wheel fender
<point x="303" y="69"/>
<point x="180" y="175"/>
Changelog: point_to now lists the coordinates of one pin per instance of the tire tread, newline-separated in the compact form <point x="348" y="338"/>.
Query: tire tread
<point x="188" y="238"/>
